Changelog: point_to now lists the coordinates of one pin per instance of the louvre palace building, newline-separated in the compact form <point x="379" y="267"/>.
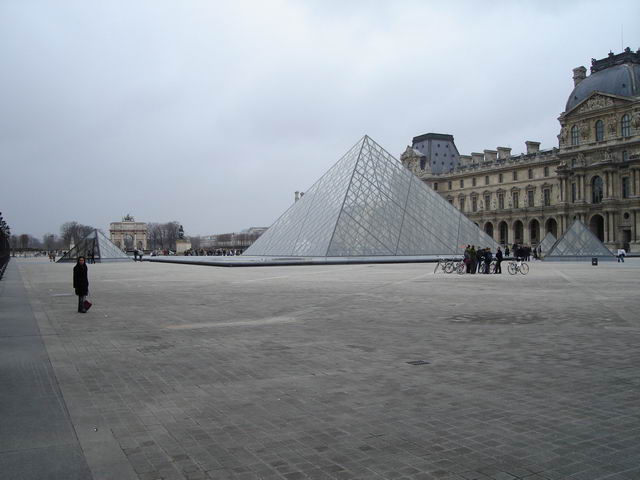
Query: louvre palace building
<point x="592" y="175"/>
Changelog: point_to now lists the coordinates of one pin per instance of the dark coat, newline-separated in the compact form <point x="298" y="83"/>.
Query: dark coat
<point x="81" y="279"/>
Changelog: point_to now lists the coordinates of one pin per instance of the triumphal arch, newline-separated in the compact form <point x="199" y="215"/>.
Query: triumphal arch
<point x="129" y="234"/>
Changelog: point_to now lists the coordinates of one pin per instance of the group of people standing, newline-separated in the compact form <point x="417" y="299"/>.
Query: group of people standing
<point x="479" y="260"/>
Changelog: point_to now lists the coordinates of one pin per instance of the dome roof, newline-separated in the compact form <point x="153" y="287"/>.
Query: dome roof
<point x="622" y="80"/>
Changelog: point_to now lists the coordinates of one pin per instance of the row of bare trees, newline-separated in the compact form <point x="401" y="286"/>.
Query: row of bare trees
<point x="163" y="236"/>
<point x="160" y="236"/>
<point x="70" y="233"/>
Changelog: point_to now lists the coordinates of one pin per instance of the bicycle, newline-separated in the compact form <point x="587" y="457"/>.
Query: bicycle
<point x="447" y="265"/>
<point x="516" y="266"/>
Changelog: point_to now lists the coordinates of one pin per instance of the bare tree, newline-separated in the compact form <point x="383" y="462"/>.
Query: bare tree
<point x="172" y="233"/>
<point x="74" y="232"/>
<point x="49" y="241"/>
<point x="23" y="241"/>
<point x="195" y="242"/>
<point x="155" y="236"/>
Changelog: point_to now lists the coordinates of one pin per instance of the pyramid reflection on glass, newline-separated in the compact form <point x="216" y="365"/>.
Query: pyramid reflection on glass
<point x="369" y="204"/>
<point x="103" y="249"/>
<point x="578" y="243"/>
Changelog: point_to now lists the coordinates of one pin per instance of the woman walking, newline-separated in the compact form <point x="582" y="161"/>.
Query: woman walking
<point x="81" y="283"/>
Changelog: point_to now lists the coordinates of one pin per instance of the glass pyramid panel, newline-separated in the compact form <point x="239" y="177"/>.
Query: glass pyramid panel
<point x="369" y="204"/>
<point x="305" y="229"/>
<point x="547" y="242"/>
<point x="97" y="243"/>
<point x="578" y="241"/>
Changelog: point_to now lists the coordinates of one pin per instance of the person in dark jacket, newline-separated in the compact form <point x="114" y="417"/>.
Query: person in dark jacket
<point x="498" y="261"/>
<point x="81" y="282"/>
<point x="488" y="257"/>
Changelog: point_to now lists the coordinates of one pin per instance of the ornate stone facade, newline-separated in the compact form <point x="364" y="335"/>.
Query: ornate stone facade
<point x="129" y="234"/>
<point x="593" y="174"/>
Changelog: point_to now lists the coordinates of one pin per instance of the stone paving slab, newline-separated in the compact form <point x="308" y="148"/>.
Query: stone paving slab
<point x="37" y="438"/>
<point x="192" y="372"/>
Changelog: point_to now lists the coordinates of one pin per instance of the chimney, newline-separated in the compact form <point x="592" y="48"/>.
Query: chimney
<point x="297" y="196"/>
<point x="464" y="160"/>
<point x="532" y="147"/>
<point x="490" y="155"/>
<point x="579" y="74"/>
<point x="477" y="158"/>
<point x="504" y="153"/>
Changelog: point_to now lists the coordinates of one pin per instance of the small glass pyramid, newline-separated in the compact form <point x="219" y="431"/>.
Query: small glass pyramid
<point x="369" y="204"/>
<point x="547" y="242"/>
<point x="97" y="243"/>
<point x="578" y="243"/>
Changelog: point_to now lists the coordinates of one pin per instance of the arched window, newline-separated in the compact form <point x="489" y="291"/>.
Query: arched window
<point x="596" y="190"/>
<point x="423" y="163"/>
<point x="599" y="131"/>
<point x="575" y="139"/>
<point x="625" y="125"/>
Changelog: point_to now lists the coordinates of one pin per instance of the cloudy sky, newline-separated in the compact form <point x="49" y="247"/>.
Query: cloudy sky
<point x="213" y="113"/>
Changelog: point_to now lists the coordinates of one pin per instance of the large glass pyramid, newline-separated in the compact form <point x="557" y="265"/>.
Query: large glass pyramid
<point x="103" y="249"/>
<point x="369" y="204"/>
<point x="578" y="243"/>
<point x="547" y="242"/>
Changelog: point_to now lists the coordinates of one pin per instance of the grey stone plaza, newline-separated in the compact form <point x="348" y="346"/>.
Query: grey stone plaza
<point x="322" y="372"/>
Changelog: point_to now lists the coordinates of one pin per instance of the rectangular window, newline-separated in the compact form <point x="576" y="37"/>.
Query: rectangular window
<point x="547" y="197"/>
<point x="501" y="201"/>
<point x="500" y="178"/>
<point x="546" y="171"/>
<point x="461" y="183"/>
<point x="574" y="192"/>
<point x="435" y="186"/>
<point x="515" y="175"/>
<point x="530" y="173"/>
<point x="462" y="204"/>
<point x="474" y="204"/>
<point x="487" y="201"/>
<point x="449" y="185"/>
<point x="473" y="181"/>
<point x="625" y="187"/>
<point x="486" y="180"/>
<point x="515" y="197"/>
<point x="530" y="199"/>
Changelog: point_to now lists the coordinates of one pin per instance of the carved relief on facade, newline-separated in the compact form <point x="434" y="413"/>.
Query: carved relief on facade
<point x="562" y="136"/>
<point x="612" y="125"/>
<point x="594" y="103"/>
<point x="585" y="131"/>
<point x="635" y="120"/>
<point x="582" y="160"/>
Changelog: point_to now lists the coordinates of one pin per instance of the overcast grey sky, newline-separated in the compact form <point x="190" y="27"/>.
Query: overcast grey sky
<point x="214" y="113"/>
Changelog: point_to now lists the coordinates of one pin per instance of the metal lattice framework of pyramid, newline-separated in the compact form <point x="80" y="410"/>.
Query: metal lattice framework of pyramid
<point x="103" y="249"/>
<point x="578" y="243"/>
<point x="369" y="204"/>
<point x="547" y="242"/>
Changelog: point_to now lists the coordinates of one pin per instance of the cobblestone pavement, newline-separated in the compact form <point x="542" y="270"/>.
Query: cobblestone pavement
<point x="348" y="372"/>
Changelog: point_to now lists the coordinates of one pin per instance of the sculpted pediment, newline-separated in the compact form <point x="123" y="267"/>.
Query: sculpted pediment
<point x="597" y="101"/>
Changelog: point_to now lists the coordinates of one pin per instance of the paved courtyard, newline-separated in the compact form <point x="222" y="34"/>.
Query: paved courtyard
<point x="193" y="372"/>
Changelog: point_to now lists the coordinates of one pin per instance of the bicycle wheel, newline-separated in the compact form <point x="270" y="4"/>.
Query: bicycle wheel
<point x="461" y="269"/>
<point x="524" y="268"/>
<point x="512" y="268"/>
<point x="448" y="268"/>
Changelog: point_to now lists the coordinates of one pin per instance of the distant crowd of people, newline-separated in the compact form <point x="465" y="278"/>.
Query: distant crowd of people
<point x="201" y="252"/>
<point x="478" y="260"/>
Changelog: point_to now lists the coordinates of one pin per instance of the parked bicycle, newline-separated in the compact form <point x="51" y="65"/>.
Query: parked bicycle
<point x="447" y="265"/>
<point x="516" y="266"/>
